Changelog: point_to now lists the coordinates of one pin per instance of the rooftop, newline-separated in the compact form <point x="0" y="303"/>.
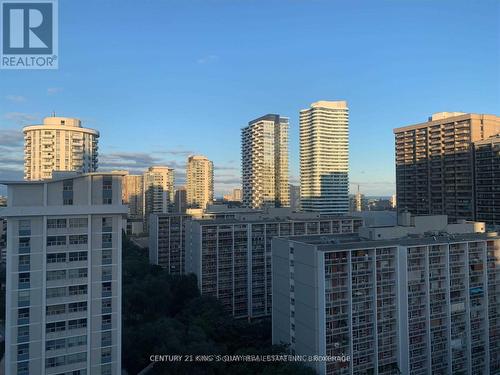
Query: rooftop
<point x="333" y="242"/>
<point x="60" y="176"/>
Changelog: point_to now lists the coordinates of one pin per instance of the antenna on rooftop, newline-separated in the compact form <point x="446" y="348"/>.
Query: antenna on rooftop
<point x="53" y="113"/>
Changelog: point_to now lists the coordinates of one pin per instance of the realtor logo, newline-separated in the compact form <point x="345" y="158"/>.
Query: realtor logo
<point x="29" y="37"/>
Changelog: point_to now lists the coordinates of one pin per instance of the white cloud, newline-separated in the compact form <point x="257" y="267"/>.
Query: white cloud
<point x="15" y="98"/>
<point x="208" y="59"/>
<point x="54" y="90"/>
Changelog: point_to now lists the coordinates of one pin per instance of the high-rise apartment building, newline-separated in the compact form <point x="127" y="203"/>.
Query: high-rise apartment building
<point x="232" y="257"/>
<point x="199" y="181"/>
<point x="63" y="298"/>
<point x="435" y="163"/>
<point x="133" y="194"/>
<point x="324" y="157"/>
<point x="158" y="191"/>
<point x="264" y="161"/>
<point x="167" y="241"/>
<point x="180" y="200"/>
<point x="391" y="300"/>
<point x="59" y="144"/>
<point x="487" y="179"/>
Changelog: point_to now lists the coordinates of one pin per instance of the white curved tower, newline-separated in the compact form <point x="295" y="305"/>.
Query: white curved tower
<point x="324" y="158"/>
<point x="59" y="144"/>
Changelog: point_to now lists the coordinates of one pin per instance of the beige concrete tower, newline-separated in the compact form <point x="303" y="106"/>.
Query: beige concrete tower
<point x="133" y="194"/>
<point x="59" y="144"/>
<point x="199" y="181"/>
<point x="158" y="190"/>
<point x="264" y="154"/>
<point x="324" y="157"/>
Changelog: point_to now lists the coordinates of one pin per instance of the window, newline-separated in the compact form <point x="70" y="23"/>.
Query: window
<point x="24" y="245"/>
<point x="107" y="257"/>
<point x="56" y="240"/>
<point x="24" y="280"/>
<point x="55" y="344"/>
<point x="79" y="239"/>
<point x="106" y="339"/>
<point x="76" y="358"/>
<point x="24" y="263"/>
<point x="106" y="322"/>
<point x="77" y="307"/>
<point x="23" y="334"/>
<point x="107" y="240"/>
<point x="76" y="341"/>
<point x="77" y="324"/>
<point x="106" y="289"/>
<point x="55" y="361"/>
<point x="107" y="224"/>
<point x="56" y="292"/>
<point x="79" y="222"/>
<point x="77" y="273"/>
<point x="23" y="298"/>
<point x="24" y="228"/>
<point x="56" y="275"/>
<point x="107" y="306"/>
<point x="55" y="327"/>
<point x="105" y="355"/>
<point x="23" y="316"/>
<point x="23" y="352"/>
<point x="56" y="223"/>
<point x="56" y="258"/>
<point x="23" y="368"/>
<point x="107" y="190"/>
<point x="56" y="309"/>
<point x="75" y="290"/>
<point x="67" y="192"/>
<point x="107" y="273"/>
<point x="106" y="369"/>
<point x="78" y="256"/>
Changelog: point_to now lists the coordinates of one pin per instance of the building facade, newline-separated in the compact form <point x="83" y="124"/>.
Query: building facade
<point x="59" y="144"/>
<point x="199" y="181"/>
<point x="167" y="241"/>
<point x="295" y="197"/>
<point x="435" y="163"/>
<point x="324" y="158"/>
<point x="487" y="180"/>
<point x="133" y="195"/>
<point x="392" y="300"/>
<point x="63" y="299"/>
<point x="158" y="191"/>
<point x="264" y="162"/>
<point x="232" y="257"/>
<point x="180" y="204"/>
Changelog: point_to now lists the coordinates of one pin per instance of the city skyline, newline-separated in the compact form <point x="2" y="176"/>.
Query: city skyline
<point x="197" y="64"/>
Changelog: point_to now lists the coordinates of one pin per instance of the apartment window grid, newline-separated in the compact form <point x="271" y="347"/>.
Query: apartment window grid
<point x="220" y="248"/>
<point x="107" y="190"/>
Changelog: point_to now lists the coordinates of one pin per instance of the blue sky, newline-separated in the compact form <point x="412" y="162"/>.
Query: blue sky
<point x="163" y="79"/>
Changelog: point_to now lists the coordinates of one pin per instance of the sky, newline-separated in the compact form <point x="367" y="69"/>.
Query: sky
<point x="164" y="79"/>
